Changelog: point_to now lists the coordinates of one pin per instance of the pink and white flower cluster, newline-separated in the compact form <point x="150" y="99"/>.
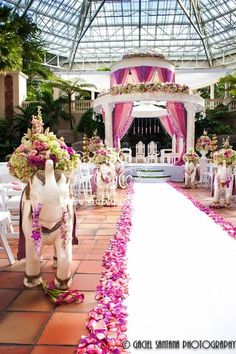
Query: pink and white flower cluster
<point x="204" y="143"/>
<point x="191" y="155"/>
<point x="107" y="323"/>
<point x="36" y="147"/>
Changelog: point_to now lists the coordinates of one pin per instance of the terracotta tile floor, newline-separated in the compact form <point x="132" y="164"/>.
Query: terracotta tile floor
<point x="29" y="322"/>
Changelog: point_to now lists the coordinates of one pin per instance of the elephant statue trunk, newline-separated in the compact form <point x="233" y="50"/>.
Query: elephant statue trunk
<point x="54" y="225"/>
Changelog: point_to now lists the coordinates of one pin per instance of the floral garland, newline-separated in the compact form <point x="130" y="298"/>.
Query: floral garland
<point x="107" y="323"/>
<point x="36" y="234"/>
<point x="167" y="87"/>
<point x="36" y="147"/>
<point x="204" y="142"/>
<point x="143" y="55"/>
<point x="191" y="155"/>
<point x="226" y="225"/>
<point x="36" y="231"/>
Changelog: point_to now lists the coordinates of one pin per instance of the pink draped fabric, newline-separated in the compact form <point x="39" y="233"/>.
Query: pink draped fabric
<point x="168" y="126"/>
<point x="179" y="117"/>
<point x="119" y="77"/>
<point x="166" y="75"/>
<point x="143" y="73"/>
<point x="122" y="120"/>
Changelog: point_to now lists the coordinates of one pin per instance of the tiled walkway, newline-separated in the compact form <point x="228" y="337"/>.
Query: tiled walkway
<point x="29" y="322"/>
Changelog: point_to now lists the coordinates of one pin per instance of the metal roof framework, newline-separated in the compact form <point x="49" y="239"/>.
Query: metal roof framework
<point x="103" y="30"/>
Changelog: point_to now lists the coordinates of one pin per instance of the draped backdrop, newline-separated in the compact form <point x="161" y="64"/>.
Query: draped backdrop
<point x="122" y="120"/>
<point x="141" y="74"/>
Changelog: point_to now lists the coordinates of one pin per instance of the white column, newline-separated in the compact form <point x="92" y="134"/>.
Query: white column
<point x="191" y="110"/>
<point x="92" y="95"/>
<point x="212" y="96"/>
<point x="108" y="125"/>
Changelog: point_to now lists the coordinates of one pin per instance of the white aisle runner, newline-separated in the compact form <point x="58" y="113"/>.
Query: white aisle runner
<point x="183" y="273"/>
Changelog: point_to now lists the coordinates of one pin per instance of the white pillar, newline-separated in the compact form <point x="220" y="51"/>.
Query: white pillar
<point x="174" y="144"/>
<point x="92" y="95"/>
<point x="191" y="110"/>
<point x="108" y="125"/>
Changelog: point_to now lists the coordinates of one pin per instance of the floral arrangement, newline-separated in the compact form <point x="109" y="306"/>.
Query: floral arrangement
<point x="95" y="143"/>
<point x="107" y="324"/>
<point x="204" y="142"/>
<point x="143" y="55"/>
<point x="105" y="155"/>
<point x="166" y="87"/>
<point x="226" y="154"/>
<point x="36" y="147"/>
<point x="191" y="156"/>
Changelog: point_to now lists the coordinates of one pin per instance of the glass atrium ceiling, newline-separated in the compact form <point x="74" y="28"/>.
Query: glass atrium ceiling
<point x="103" y="30"/>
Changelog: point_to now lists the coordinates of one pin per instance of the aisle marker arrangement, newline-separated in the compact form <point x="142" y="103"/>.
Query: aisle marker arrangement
<point x="226" y="225"/>
<point x="107" y="323"/>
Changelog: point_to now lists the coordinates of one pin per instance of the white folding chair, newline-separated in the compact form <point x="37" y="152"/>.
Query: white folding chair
<point x="82" y="183"/>
<point x="10" y="204"/>
<point x="166" y="156"/>
<point x="4" y="220"/>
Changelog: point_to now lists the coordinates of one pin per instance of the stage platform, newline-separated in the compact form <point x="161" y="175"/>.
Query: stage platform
<point x="156" y="172"/>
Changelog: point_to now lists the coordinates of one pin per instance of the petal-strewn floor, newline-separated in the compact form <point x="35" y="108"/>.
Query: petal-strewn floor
<point x="29" y="322"/>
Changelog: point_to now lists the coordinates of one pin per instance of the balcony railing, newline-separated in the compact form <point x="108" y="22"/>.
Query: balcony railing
<point x="84" y="105"/>
<point x="77" y="106"/>
<point x="212" y="104"/>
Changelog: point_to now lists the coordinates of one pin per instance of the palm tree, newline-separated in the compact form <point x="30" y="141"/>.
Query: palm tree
<point x="69" y="88"/>
<point x="230" y="80"/>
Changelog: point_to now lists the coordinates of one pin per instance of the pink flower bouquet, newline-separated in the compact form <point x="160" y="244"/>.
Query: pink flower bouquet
<point x="204" y="143"/>
<point x="191" y="156"/>
<point x="36" y="147"/>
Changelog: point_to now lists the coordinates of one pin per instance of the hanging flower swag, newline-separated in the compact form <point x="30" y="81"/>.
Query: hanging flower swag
<point x="107" y="323"/>
<point x="147" y="87"/>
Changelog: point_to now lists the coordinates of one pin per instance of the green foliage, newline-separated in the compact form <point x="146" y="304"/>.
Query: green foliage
<point x="69" y="88"/>
<point x="21" y="47"/>
<point x="230" y="80"/>
<point x="105" y="68"/>
<point x="88" y="125"/>
<point x="219" y="91"/>
<point x="213" y="123"/>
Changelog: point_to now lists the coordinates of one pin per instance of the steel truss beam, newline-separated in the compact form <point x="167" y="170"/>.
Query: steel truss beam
<point x="199" y="31"/>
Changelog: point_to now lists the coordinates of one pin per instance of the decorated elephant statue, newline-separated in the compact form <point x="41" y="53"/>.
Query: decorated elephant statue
<point x="190" y="171"/>
<point x="225" y="159"/>
<point x="47" y="219"/>
<point x="106" y="184"/>
<point x="224" y="181"/>
<point x="190" y="168"/>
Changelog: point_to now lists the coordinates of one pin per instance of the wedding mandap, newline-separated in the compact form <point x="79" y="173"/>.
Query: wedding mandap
<point x="148" y="79"/>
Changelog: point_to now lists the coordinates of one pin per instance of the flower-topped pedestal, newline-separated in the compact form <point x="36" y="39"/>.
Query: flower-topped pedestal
<point x="204" y="145"/>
